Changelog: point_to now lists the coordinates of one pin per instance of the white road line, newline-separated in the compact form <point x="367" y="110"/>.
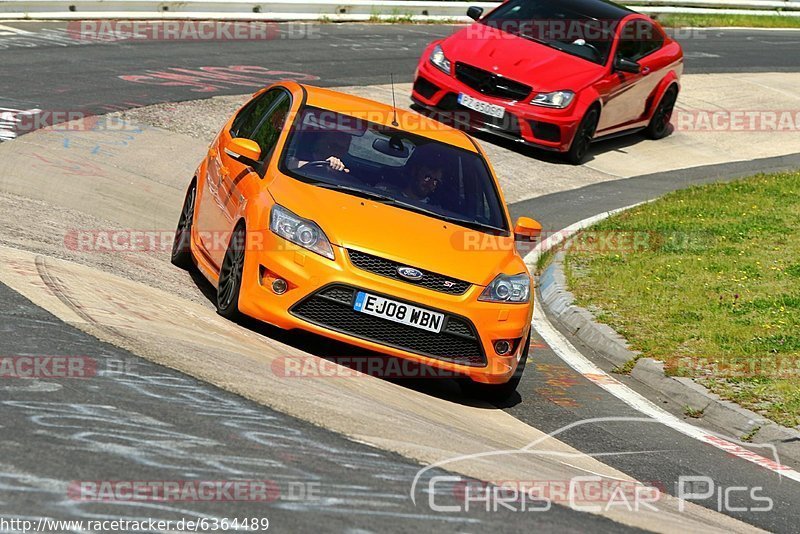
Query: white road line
<point x="580" y="363"/>
<point x="12" y="31"/>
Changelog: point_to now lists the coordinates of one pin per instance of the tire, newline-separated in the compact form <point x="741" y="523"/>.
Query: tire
<point x="583" y="137"/>
<point x="181" y="245"/>
<point x="499" y="392"/>
<point x="230" y="275"/>
<point x="658" y="128"/>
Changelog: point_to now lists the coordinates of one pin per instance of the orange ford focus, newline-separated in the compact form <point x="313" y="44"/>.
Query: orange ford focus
<point x="370" y="225"/>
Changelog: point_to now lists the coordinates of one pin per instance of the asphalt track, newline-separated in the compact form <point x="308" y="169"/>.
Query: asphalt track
<point x="55" y="71"/>
<point x="207" y="440"/>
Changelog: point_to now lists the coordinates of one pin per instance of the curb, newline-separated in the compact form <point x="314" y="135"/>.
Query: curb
<point x="747" y="425"/>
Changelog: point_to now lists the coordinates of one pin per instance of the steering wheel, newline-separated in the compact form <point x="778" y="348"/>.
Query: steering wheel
<point x="593" y="48"/>
<point x="318" y="163"/>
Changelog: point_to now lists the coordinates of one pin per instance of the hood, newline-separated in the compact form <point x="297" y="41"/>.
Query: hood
<point x="401" y="235"/>
<point x="544" y="68"/>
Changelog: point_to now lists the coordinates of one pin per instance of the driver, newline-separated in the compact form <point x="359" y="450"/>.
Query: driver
<point x="425" y="180"/>
<point x="426" y="171"/>
<point x="329" y="147"/>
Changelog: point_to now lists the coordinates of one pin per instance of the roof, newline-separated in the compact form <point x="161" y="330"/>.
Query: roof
<point x="597" y="9"/>
<point x="557" y="10"/>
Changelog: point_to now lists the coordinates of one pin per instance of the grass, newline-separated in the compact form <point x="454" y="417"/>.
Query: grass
<point x="396" y="17"/>
<point x="545" y="259"/>
<point x="694" y="413"/>
<point x="667" y="20"/>
<point x="750" y="435"/>
<point x="678" y="20"/>
<point x="706" y="280"/>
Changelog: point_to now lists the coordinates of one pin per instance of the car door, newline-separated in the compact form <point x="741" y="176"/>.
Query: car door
<point x="625" y="94"/>
<point x="214" y="214"/>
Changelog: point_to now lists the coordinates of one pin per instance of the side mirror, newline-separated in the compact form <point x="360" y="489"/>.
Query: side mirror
<point x="526" y="229"/>
<point x="247" y="149"/>
<point x="474" y="12"/>
<point x="626" y="65"/>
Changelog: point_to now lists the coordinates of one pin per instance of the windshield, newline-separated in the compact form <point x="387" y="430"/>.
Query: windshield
<point x="559" y="25"/>
<point x="395" y="167"/>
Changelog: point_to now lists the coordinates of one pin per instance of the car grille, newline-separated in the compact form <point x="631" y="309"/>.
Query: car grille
<point x="388" y="268"/>
<point x="491" y="84"/>
<point x="332" y="308"/>
<point x="545" y="131"/>
<point x="425" y="87"/>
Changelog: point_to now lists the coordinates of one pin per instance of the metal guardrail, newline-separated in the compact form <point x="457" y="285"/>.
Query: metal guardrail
<point x="339" y="10"/>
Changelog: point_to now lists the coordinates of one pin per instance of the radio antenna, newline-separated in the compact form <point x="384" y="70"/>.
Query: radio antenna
<point x="394" y="102"/>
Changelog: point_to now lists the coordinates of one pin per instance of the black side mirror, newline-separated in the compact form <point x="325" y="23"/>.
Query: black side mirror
<point x="474" y="12"/>
<point x="626" y="65"/>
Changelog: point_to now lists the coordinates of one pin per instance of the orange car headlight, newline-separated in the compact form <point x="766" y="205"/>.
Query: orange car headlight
<point x="505" y="288"/>
<point x="300" y="231"/>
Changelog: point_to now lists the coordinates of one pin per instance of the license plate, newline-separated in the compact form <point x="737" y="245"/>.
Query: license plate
<point x="486" y="108"/>
<point x="399" y="312"/>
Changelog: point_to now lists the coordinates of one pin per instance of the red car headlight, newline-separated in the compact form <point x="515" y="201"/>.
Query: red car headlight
<point x="556" y="99"/>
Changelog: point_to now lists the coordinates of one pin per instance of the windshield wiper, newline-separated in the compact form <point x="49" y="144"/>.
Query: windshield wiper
<point x="353" y="191"/>
<point x="475" y="225"/>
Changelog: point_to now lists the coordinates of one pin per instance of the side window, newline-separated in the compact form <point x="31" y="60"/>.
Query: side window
<point x="267" y="132"/>
<point x="638" y="39"/>
<point x="248" y="118"/>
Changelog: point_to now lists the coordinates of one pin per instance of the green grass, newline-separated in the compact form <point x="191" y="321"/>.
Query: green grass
<point x="706" y="280"/>
<point x="711" y="20"/>
<point x="396" y="17"/>
<point x="694" y="413"/>
<point x="545" y="259"/>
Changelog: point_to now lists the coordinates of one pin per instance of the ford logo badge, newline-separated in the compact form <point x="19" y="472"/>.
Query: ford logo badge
<point x="410" y="273"/>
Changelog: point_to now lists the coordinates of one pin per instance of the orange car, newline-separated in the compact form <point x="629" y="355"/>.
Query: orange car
<point x="370" y="225"/>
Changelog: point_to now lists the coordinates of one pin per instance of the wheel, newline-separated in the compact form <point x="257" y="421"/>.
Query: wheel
<point x="499" y="392"/>
<point x="583" y="137"/>
<point x="230" y="275"/>
<point x="658" y="128"/>
<point x="181" y="245"/>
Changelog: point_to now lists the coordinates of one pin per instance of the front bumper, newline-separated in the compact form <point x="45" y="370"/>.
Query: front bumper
<point x="550" y="129"/>
<point x="319" y="300"/>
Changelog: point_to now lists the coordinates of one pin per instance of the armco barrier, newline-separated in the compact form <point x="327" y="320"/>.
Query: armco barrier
<point x="342" y="10"/>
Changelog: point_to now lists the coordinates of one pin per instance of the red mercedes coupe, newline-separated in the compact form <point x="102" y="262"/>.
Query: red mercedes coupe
<point x="556" y="74"/>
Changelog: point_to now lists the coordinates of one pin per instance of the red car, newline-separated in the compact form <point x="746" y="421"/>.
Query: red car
<point x="556" y="74"/>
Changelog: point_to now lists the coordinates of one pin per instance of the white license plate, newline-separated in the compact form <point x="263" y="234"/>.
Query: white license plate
<point x="399" y="312"/>
<point x="486" y="108"/>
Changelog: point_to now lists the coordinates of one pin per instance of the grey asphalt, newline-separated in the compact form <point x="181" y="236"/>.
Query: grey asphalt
<point x="55" y="71"/>
<point x="40" y="453"/>
<point x="133" y="420"/>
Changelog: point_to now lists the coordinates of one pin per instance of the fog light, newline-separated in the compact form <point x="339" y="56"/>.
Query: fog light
<point x="279" y="286"/>
<point x="502" y="347"/>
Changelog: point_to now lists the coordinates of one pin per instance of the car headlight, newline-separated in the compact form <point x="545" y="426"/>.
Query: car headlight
<point x="439" y="60"/>
<point x="556" y="99"/>
<point x="507" y="288"/>
<point x="299" y="231"/>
